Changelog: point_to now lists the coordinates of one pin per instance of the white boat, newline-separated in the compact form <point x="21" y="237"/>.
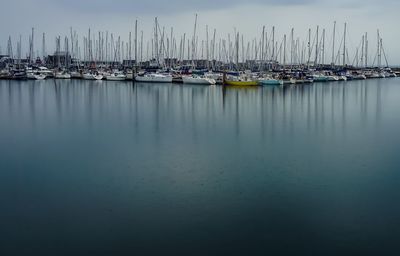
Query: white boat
<point x="288" y="81"/>
<point x="76" y="74"/>
<point x="333" y="78"/>
<point x="359" y="77"/>
<point x="98" y="77"/>
<point x="154" y="78"/>
<point x="129" y="75"/>
<point x="39" y="76"/>
<point x="45" y="71"/>
<point x="116" y="76"/>
<point x="198" y="80"/>
<point x="29" y="73"/>
<point x="62" y="75"/>
<point x="218" y="77"/>
<point x="90" y="76"/>
<point x="320" y="78"/>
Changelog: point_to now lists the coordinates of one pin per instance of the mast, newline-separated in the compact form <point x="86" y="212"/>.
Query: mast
<point x="31" y="46"/>
<point x="207" y="52"/>
<point x="89" y="48"/>
<point x="107" y="48"/>
<point x="213" y="47"/>
<point x="183" y="46"/>
<point x="333" y="43"/>
<point x="344" y="44"/>
<point x="194" y="41"/>
<point x="237" y="51"/>
<point x="242" y="49"/>
<point x="44" y="46"/>
<point x="156" y="41"/>
<point x="58" y="51"/>
<point x="136" y="42"/>
<point x="292" y="47"/>
<point x="19" y="51"/>
<point x="188" y="48"/>
<point x="316" y="48"/>
<point x="141" y="48"/>
<point x="262" y="46"/>
<point x="130" y="46"/>
<point x="309" y="46"/>
<point x="171" y="47"/>
<point x="284" y="51"/>
<point x="72" y="42"/>
<point x="366" y="49"/>
<point x="9" y="48"/>
<point x="379" y="49"/>
<point x="362" y="50"/>
<point x="323" y="47"/>
<point x="273" y="43"/>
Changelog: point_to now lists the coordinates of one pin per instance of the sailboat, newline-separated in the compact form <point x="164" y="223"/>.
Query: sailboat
<point x="241" y="80"/>
<point x="196" y="79"/>
<point x="116" y="76"/>
<point x="92" y="76"/>
<point x="62" y="75"/>
<point x="270" y="81"/>
<point x="39" y="76"/>
<point x="76" y="74"/>
<point x="154" y="78"/>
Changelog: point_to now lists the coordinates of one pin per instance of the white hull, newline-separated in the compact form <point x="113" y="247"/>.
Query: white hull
<point x="129" y="76"/>
<point x="92" y="77"/>
<point x="40" y="77"/>
<point x="62" y="76"/>
<point x="88" y="77"/>
<point x="76" y="75"/>
<point x="198" y="80"/>
<point x="333" y="78"/>
<point x="267" y="82"/>
<point x="116" y="78"/>
<point x="154" y="79"/>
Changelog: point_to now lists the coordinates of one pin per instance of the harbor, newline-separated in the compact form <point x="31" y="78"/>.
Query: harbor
<point x="172" y="58"/>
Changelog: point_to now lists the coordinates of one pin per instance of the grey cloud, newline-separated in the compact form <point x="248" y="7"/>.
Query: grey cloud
<point x="154" y="7"/>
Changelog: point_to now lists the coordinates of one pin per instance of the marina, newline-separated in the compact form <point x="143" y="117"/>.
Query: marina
<point x="263" y="61"/>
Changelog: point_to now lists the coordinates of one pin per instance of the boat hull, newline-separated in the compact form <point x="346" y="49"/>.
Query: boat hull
<point x="198" y="81"/>
<point x="62" y="76"/>
<point x="116" y="78"/>
<point x="150" y="79"/>
<point x="271" y="82"/>
<point x="92" y="77"/>
<point x="40" y="77"/>
<point x="241" y="83"/>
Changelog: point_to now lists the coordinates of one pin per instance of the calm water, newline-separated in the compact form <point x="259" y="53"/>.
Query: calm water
<point x="108" y="168"/>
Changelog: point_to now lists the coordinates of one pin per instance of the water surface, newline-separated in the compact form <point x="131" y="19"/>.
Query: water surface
<point x="113" y="168"/>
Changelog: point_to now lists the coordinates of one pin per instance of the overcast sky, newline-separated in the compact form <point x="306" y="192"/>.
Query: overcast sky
<point x="55" y="17"/>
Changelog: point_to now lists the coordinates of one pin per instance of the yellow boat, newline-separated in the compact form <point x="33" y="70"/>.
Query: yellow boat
<point x="241" y="83"/>
<point x="244" y="79"/>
